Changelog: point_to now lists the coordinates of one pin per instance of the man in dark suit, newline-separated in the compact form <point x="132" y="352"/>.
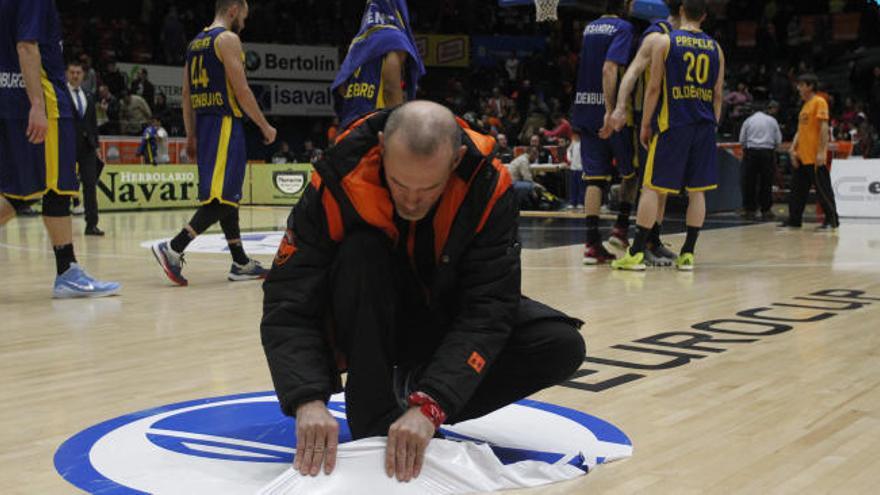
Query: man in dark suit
<point x="90" y="166"/>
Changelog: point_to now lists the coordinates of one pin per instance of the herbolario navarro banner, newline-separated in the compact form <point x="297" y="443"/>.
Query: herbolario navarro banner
<point x="134" y="187"/>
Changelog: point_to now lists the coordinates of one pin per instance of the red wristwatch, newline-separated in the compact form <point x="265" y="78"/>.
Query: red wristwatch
<point x="428" y="406"/>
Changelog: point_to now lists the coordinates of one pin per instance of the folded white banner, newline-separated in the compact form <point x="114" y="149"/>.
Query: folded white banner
<point x="450" y="468"/>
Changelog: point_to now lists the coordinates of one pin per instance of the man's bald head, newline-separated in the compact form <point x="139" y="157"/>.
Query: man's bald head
<point x="421" y="148"/>
<point x="423" y="127"/>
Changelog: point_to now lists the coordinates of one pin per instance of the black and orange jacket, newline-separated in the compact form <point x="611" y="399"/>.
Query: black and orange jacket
<point x="475" y="281"/>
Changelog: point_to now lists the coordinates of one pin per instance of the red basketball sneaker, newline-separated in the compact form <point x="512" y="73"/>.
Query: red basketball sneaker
<point x="597" y="254"/>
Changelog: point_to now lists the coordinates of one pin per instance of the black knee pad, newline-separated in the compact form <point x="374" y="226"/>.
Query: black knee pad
<point x="600" y="183"/>
<point x="20" y="204"/>
<point x="206" y="216"/>
<point x="229" y="222"/>
<point x="55" y="205"/>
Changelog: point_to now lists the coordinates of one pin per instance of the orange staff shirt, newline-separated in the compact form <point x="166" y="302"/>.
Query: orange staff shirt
<point x="813" y="113"/>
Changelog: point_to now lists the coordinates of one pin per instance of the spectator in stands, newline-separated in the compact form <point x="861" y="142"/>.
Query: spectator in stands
<point x="536" y="117"/>
<point x="107" y="110"/>
<point x="283" y="155"/>
<point x="505" y="153"/>
<point x="524" y="185"/>
<point x="738" y="100"/>
<point x="491" y="124"/>
<point x="520" y="168"/>
<point x="577" y="186"/>
<point x="850" y="112"/>
<point x="498" y="104"/>
<point x="562" y="129"/>
<point x="543" y="155"/>
<point x="90" y="77"/>
<point x="308" y="152"/>
<point x="142" y="86"/>
<point x="134" y="113"/>
<point x="114" y="79"/>
<point x="760" y="136"/>
<point x="865" y="140"/>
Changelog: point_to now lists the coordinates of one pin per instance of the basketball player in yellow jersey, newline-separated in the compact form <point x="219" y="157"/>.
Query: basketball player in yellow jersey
<point x="687" y="79"/>
<point x="633" y="85"/>
<point x="215" y="92"/>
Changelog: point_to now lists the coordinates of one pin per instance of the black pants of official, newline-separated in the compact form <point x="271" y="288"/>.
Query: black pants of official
<point x="379" y="324"/>
<point x="90" y="168"/>
<point x="759" y="168"/>
<point x="802" y="178"/>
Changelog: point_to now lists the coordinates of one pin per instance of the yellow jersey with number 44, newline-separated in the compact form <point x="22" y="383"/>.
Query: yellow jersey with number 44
<point x="210" y="91"/>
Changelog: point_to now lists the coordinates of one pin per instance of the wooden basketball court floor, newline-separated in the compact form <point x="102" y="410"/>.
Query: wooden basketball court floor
<point x="722" y="378"/>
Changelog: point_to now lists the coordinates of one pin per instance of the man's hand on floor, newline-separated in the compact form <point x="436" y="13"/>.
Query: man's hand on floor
<point x="408" y="438"/>
<point x="317" y="435"/>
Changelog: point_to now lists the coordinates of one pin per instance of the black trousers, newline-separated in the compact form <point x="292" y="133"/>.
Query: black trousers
<point x="380" y="324"/>
<point x="759" y="167"/>
<point x="90" y="168"/>
<point x="802" y="178"/>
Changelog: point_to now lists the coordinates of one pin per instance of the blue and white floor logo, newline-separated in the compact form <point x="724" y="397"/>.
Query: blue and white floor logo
<point x="253" y="242"/>
<point x="240" y="443"/>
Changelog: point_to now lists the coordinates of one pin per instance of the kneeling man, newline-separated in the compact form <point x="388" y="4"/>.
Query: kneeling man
<point x="401" y="266"/>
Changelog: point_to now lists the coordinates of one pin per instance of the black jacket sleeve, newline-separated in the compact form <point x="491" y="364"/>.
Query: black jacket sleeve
<point x="295" y="301"/>
<point x="489" y="287"/>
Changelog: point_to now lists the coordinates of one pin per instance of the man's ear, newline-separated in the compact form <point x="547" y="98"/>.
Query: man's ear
<point x="460" y="157"/>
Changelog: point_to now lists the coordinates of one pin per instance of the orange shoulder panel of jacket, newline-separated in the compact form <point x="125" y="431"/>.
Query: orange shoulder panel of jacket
<point x="484" y="143"/>
<point x="504" y="183"/>
<point x="331" y="210"/>
<point x="369" y="197"/>
<point x="357" y="123"/>
<point x="453" y="196"/>
<point x="462" y="123"/>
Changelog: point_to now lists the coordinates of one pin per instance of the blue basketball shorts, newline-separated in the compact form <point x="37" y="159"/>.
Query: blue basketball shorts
<point x="27" y="171"/>
<point x="222" y="158"/>
<point x="683" y="158"/>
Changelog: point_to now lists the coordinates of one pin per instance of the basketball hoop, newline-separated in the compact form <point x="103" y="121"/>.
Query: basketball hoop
<point x="545" y="10"/>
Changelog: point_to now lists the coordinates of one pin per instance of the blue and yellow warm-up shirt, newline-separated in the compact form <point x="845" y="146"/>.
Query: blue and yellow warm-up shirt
<point x="210" y="91"/>
<point x="608" y="38"/>
<point x="363" y="92"/>
<point x="32" y="20"/>
<point x="693" y="62"/>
